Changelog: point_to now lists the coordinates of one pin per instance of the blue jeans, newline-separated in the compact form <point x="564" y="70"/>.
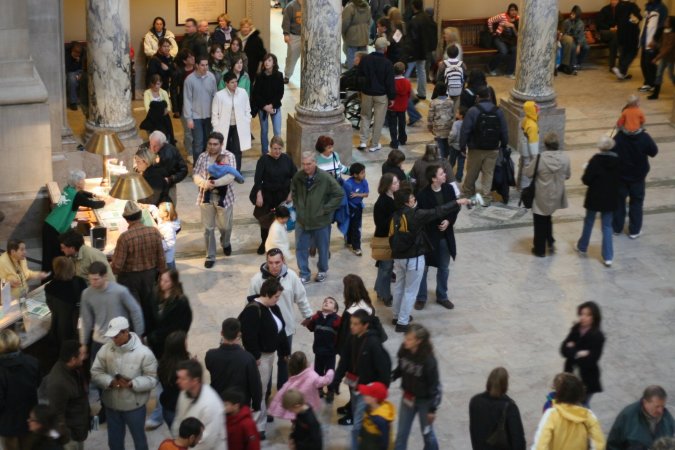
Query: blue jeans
<point x="351" y="51"/>
<point x="413" y="114"/>
<point x="303" y="239"/>
<point x="636" y="192"/>
<point x="505" y="51"/>
<point x="589" y="220"/>
<point x="358" y="409"/>
<point x="200" y="134"/>
<point x="264" y="127"/>
<point x="409" y="273"/>
<point x="442" y="273"/>
<point x="406" y="415"/>
<point x="664" y="67"/>
<point x="443" y="147"/>
<point x="457" y="156"/>
<point x="420" y="68"/>
<point x="396" y="125"/>
<point x="156" y="415"/>
<point x="72" y="83"/>
<point x="383" y="280"/>
<point x="118" y="420"/>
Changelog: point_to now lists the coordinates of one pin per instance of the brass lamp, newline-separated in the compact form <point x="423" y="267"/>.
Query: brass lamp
<point x="105" y="144"/>
<point x="131" y="186"/>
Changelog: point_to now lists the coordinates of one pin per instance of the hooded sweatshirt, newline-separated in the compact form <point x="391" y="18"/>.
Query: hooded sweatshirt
<point x="530" y="126"/>
<point x="242" y="433"/>
<point x="376" y="429"/>
<point x="356" y="23"/>
<point x="566" y="427"/>
<point x="308" y="382"/>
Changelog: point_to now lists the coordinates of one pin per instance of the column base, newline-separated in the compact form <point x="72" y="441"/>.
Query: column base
<point x="551" y="119"/>
<point x="126" y="132"/>
<point x="304" y="127"/>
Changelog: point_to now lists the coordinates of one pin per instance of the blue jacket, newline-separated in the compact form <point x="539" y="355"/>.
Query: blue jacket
<point x="379" y="74"/>
<point x="631" y="429"/>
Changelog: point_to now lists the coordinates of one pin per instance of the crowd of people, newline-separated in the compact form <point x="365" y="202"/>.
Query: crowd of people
<point x="121" y="327"/>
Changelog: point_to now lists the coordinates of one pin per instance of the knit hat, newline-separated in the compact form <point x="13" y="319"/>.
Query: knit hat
<point x="131" y="209"/>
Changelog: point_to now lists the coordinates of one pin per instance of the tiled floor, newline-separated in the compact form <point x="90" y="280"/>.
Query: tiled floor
<point x="511" y="309"/>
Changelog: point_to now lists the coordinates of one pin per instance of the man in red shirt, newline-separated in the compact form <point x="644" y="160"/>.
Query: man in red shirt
<point x="189" y="435"/>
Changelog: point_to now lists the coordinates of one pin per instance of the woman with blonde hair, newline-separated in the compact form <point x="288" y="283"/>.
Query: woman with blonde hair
<point x="253" y="46"/>
<point x="155" y="175"/>
<point x="224" y="32"/>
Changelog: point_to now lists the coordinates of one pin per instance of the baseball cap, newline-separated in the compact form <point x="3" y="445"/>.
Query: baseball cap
<point x="115" y="326"/>
<point x="375" y="389"/>
<point x="381" y="43"/>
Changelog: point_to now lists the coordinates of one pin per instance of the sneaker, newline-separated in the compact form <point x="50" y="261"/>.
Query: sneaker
<point x="617" y="233"/>
<point x="261" y="249"/>
<point x="227" y="250"/>
<point x="608" y="263"/>
<point x="342" y="410"/>
<point x="394" y="321"/>
<point x="618" y="73"/>
<point x="419" y="306"/>
<point x="362" y="147"/>
<point x="209" y="263"/>
<point x="320" y="277"/>
<point x="152" y="425"/>
<point x="580" y="251"/>
<point x="346" y="421"/>
<point x="401" y="328"/>
<point x="635" y="236"/>
<point x="388" y="302"/>
<point x="357" y="251"/>
<point x="492" y="73"/>
<point x="304" y="280"/>
<point x="627" y="76"/>
<point x="447" y="304"/>
<point x="540" y="255"/>
<point x="375" y="148"/>
<point x="645" y="88"/>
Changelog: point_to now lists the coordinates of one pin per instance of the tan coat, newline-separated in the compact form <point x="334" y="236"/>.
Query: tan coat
<point x="554" y="169"/>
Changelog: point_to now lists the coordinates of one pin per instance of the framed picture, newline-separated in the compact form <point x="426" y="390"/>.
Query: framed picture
<point x="199" y="10"/>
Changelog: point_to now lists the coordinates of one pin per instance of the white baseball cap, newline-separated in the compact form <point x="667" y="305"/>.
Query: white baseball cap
<point x="115" y="326"/>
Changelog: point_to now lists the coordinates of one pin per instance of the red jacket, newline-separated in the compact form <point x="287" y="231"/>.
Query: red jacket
<point x="403" y="89"/>
<point x="242" y="433"/>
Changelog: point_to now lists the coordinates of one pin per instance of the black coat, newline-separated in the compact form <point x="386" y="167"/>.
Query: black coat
<point x="63" y="300"/>
<point x="419" y="377"/>
<point x="427" y="200"/>
<point x="173" y="163"/>
<point x="365" y="357"/>
<point x="176" y="316"/>
<point x="231" y="366"/>
<point x="633" y="151"/>
<point x="485" y="412"/>
<point x="267" y="90"/>
<point x="155" y="67"/>
<point x="157" y="120"/>
<point x="417" y="219"/>
<point x="69" y="398"/>
<point x="19" y="381"/>
<point x="155" y="175"/>
<point x="255" y="51"/>
<point x="602" y="178"/>
<point x="421" y="37"/>
<point x="273" y="177"/>
<point x="382" y="212"/>
<point x="259" y="333"/>
<point x="396" y="170"/>
<point x="593" y="341"/>
<point x="306" y="432"/>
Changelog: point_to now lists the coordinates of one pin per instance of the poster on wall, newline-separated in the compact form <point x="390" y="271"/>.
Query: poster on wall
<point x="199" y="10"/>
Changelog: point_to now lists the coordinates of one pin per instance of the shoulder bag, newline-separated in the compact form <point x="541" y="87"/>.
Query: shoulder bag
<point x="499" y="438"/>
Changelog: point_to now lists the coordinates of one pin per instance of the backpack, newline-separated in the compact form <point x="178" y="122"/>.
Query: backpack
<point x="487" y="130"/>
<point x="454" y="78"/>
<point x="401" y="240"/>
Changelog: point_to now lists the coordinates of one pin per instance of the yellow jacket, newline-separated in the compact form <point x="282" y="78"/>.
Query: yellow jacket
<point x="529" y="124"/>
<point x="8" y="272"/>
<point x="377" y="426"/>
<point x="568" y="427"/>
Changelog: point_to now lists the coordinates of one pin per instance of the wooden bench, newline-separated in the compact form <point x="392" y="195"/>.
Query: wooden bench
<point x="470" y="29"/>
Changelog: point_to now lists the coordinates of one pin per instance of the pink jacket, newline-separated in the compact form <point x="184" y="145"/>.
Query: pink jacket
<point x="308" y="382"/>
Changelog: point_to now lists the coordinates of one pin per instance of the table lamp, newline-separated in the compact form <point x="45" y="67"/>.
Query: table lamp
<point x="131" y="186"/>
<point x="105" y="144"/>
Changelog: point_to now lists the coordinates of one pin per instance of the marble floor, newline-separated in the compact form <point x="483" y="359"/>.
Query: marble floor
<point x="512" y="309"/>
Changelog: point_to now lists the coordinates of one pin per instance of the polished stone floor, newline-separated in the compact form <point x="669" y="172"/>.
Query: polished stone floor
<point x="512" y="309"/>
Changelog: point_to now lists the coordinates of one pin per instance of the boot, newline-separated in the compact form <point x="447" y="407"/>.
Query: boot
<point x="655" y="94"/>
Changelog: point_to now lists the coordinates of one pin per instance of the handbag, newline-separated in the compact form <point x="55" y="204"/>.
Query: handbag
<point x="527" y="194"/>
<point x="499" y="439"/>
<point x="380" y="249"/>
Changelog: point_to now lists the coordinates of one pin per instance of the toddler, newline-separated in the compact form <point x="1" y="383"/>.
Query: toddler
<point x="396" y="112"/>
<point x="632" y="118"/>
<point x="168" y="225"/>
<point x="217" y="170"/>
<point x="306" y="432"/>
<point x="278" y="235"/>
<point x="356" y="188"/>
<point x="325" y="325"/>
<point x="242" y="433"/>
<point x="439" y="120"/>
<point x="456" y="154"/>
<point x="379" y="415"/>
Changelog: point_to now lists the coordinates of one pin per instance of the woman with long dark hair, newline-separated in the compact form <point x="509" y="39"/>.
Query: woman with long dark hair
<point x="234" y="52"/>
<point x="420" y="383"/>
<point x="493" y="410"/>
<point x="175" y="352"/>
<point x="382" y="212"/>
<point x="266" y="96"/>
<point x="582" y="348"/>
<point x="173" y="310"/>
<point x="156" y="33"/>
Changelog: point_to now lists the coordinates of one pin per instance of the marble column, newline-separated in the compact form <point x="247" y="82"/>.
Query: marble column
<point x="108" y="68"/>
<point x="534" y="72"/>
<point x="319" y="111"/>
<point x="25" y="129"/>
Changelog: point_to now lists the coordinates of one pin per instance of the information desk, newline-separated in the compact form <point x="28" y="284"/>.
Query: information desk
<point x="30" y="320"/>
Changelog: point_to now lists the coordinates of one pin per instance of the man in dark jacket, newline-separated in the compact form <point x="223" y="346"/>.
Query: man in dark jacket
<point x="627" y="34"/>
<point x="67" y="392"/>
<point x="169" y="159"/>
<point x="422" y="39"/>
<point x="633" y="151"/>
<point x="484" y="131"/>
<point x="409" y="243"/>
<point x="194" y="40"/>
<point x="364" y="360"/>
<point x="377" y="94"/>
<point x="607" y="24"/>
<point x="641" y="423"/>
<point x="231" y="366"/>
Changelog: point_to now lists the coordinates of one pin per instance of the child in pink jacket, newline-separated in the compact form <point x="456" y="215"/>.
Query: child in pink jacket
<point x="305" y="380"/>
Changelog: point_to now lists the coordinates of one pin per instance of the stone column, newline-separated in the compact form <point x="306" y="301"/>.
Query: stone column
<point x="108" y="68"/>
<point x="534" y="72"/>
<point x="319" y="111"/>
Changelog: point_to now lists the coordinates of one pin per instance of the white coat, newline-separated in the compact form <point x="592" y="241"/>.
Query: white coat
<point x="221" y="110"/>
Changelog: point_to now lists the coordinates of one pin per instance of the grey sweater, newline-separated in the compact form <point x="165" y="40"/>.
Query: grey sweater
<point x="198" y="93"/>
<point x="100" y="306"/>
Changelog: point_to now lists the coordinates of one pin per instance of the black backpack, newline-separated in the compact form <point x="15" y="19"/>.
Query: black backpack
<point x="401" y="240"/>
<point x="487" y="130"/>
